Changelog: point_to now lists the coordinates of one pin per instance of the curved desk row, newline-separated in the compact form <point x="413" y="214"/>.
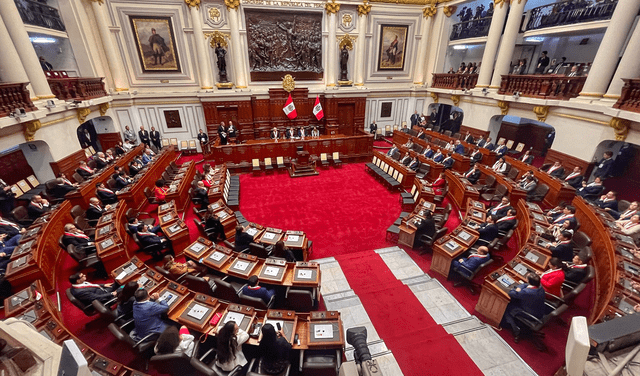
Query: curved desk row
<point x="461" y="163"/>
<point x="489" y="157"/>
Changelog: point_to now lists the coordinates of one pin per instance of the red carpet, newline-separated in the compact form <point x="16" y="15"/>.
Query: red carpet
<point x="410" y="332"/>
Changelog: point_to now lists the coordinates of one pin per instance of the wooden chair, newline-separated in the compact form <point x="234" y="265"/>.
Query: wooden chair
<point x="280" y="162"/>
<point x="323" y="159"/>
<point x="255" y="163"/>
<point x="268" y="167"/>
<point x="336" y="158"/>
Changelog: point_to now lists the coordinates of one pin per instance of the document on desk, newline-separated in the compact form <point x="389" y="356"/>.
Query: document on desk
<point x="241" y="265"/>
<point x="323" y="331"/>
<point x="107" y="243"/>
<point x="168" y="297"/>
<point x="233" y="316"/>
<point x="142" y="280"/>
<point x="293" y="238"/>
<point x="269" y="236"/>
<point x="275" y="323"/>
<point x="216" y="256"/>
<point x="506" y="281"/>
<point x="532" y="257"/>
<point x="174" y="228"/>
<point x="271" y="271"/>
<point x="130" y="268"/>
<point x="197" y="247"/>
<point x="451" y="245"/>
<point x="521" y="269"/>
<point x="198" y="311"/>
<point x="305" y="274"/>
<point x="167" y="217"/>
<point x="252" y="231"/>
<point x="222" y="215"/>
<point x="464" y="235"/>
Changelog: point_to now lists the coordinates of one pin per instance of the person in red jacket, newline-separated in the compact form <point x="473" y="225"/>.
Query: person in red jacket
<point x="159" y="191"/>
<point x="552" y="279"/>
<point x="438" y="184"/>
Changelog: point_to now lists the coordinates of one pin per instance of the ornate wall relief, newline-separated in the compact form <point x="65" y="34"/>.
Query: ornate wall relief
<point x="214" y="15"/>
<point x="347" y="20"/>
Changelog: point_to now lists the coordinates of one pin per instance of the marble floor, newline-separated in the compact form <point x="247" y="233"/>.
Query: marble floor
<point x="485" y="347"/>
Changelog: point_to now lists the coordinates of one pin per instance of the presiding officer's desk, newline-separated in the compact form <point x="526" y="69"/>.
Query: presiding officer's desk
<point x="559" y="190"/>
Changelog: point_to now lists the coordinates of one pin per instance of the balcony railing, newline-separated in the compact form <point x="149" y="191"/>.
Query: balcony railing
<point x="630" y="97"/>
<point x="471" y="29"/>
<point x="548" y="86"/>
<point x="38" y="14"/>
<point x="78" y="88"/>
<point x="14" y="96"/>
<point x="455" y="81"/>
<point x="570" y="12"/>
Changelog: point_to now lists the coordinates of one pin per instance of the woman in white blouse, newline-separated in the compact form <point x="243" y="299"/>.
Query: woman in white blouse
<point x="229" y="355"/>
<point x="500" y="166"/>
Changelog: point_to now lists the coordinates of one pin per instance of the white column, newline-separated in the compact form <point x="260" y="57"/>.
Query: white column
<point x="113" y="55"/>
<point x="439" y="43"/>
<point x="9" y="70"/>
<point x="360" y="46"/>
<point x="331" y="50"/>
<point x="628" y="67"/>
<point x="206" y="82"/>
<point x="508" y="42"/>
<point x="24" y="48"/>
<point x="236" y="49"/>
<point x="491" y="48"/>
<point x="418" y="74"/>
<point x="604" y="64"/>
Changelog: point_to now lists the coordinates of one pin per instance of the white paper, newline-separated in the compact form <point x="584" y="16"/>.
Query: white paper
<point x="241" y="265"/>
<point x="252" y="231"/>
<point x="216" y="256"/>
<point x="520" y="269"/>
<point x="168" y="297"/>
<point x="198" y="312"/>
<point x="323" y="331"/>
<point x="305" y="274"/>
<point x="142" y="280"/>
<point x="269" y="236"/>
<point x="174" y="228"/>
<point x="532" y="257"/>
<point x="122" y="274"/>
<point x="451" y="245"/>
<point x="464" y="235"/>
<point x="223" y="215"/>
<point x="271" y="271"/>
<point x="292" y="238"/>
<point x="197" y="247"/>
<point x="275" y="323"/>
<point x="233" y="316"/>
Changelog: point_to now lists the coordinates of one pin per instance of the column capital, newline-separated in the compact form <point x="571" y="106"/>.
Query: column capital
<point x="193" y="3"/>
<point x="364" y="8"/>
<point x="100" y="2"/>
<point x="30" y="129"/>
<point x="501" y="3"/>
<point x="620" y="128"/>
<point x="449" y="10"/>
<point x="331" y="7"/>
<point x="434" y="96"/>
<point x="429" y="11"/>
<point x="103" y="108"/>
<point x="82" y="114"/>
<point x="232" y="4"/>
<point x="504" y="107"/>
<point x="541" y="112"/>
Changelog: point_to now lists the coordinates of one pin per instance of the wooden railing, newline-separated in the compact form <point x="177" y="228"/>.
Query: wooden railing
<point x="630" y="96"/>
<point x="547" y="86"/>
<point x="13" y="96"/>
<point x="454" y="81"/>
<point x="79" y="88"/>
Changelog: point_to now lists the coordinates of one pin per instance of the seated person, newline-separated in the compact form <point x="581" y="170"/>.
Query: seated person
<point x="5" y="253"/>
<point x="108" y="155"/>
<point x="85" y="171"/>
<point x="147" y="314"/>
<point x="577" y="271"/>
<point x="524" y="177"/>
<point x="420" y="134"/>
<point x="467" y="266"/>
<point x="439" y="184"/>
<point x="160" y="192"/>
<point x="428" y="152"/>
<point x="529" y="186"/>
<point x="134" y="167"/>
<point x="75" y="236"/>
<point x="177" y="269"/>
<point x="556" y="170"/>
<point x="213" y="227"/>
<point x="633" y="209"/>
<point x="527" y="297"/>
<point x="415" y="163"/>
<point x="63" y="186"/>
<point x="554" y="213"/>
<point x="242" y="239"/>
<point x="473" y="175"/>
<point x="392" y="151"/>
<point x="438" y="156"/>
<point x="101" y="161"/>
<point x="128" y="145"/>
<point x="426" y="226"/>
<point x="37" y="207"/>
<point x="147" y="157"/>
<point x="527" y="157"/>
<point x="134" y="226"/>
<point x="501" y="149"/>
<point x="488" y="230"/>
<point x="574" y="179"/>
<point x="568" y="214"/>
<point x="593" y="188"/>
<point x="468" y="138"/>
<point x="488" y="144"/>
<point x="501" y="209"/>
<point x="173" y="342"/>
<point x="87" y="292"/>
<point x="448" y="162"/>
<point x="207" y="181"/>
<point x="12" y="231"/>
<point x="202" y="193"/>
<point x="553" y="278"/>
<point x="122" y="180"/>
<point x="256" y="291"/>
<point x="95" y="211"/>
<point x="500" y="166"/>
<point x="449" y="146"/>
<point x="562" y="249"/>
<point x="274" y="350"/>
<point x="608" y="201"/>
<point x="556" y="230"/>
<point x="125" y="298"/>
<point x="507" y="222"/>
<point x="281" y="251"/>
<point x="408" y="144"/>
<point x="119" y="149"/>
<point x="458" y="147"/>
<point x="315" y="132"/>
<point x="290" y="133"/>
<point x="406" y="159"/>
<point x="630" y="226"/>
<point x="229" y="355"/>
<point x="148" y="239"/>
<point x="106" y="195"/>
<point x="476" y="156"/>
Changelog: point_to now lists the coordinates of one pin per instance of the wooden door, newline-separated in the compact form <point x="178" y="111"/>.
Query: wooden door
<point x="227" y="114"/>
<point x="346" y="113"/>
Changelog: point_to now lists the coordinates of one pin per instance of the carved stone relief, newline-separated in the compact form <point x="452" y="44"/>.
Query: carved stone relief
<point x="214" y="15"/>
<point x="347" y="20"/>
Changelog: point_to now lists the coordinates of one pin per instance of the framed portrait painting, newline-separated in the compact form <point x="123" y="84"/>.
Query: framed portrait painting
<point x="393" y="42"/>
<point x="155" y="43"/>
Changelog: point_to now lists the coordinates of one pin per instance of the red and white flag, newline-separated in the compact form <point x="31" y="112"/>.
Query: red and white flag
<point x="317" y="109"/>
<point x="290" y="109"/>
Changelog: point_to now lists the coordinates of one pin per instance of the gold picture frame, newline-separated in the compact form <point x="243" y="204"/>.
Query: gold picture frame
<point x="155" y="42"/>
<point x="393" y="46"/>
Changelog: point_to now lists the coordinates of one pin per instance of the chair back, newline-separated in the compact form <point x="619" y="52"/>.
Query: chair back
<point x="541" y="192"/>
<point x="121" y="335"/>
<point x="173" y="141"/>
<point x="581" y="240"/>
<point x="489" y="181"/>
<point x="49" y="185"/>
<point x="88" y="310"/>
<point x="184" y="145"/>
<point x="173" y="364"/>
<point x="447" y="133"/>
<point x="300" y="300"/>
<point x="198" y="284"/>
<point x="255" y="162"/>
<point x="267" y="162"/>
<point x="323" y="157"/>
<point x="513" y="173"/>
<point x="336" y="155"/>
<point x="165" y="142"/>
<point x="111" y="183"/>
<point x="20" y="214"/>
<point x="258" y="250"/>
<point x="280" y="160"/>
<point x="81" y="223"/>
<point x="225" y="291"/>
<point x="501" y="190"/>
<point x="252" y="301"/>
<point x="192" y="144"/>
<point x="165" y="273"/>
<point x="623" y="205"/>
<point x="77" y="177"/>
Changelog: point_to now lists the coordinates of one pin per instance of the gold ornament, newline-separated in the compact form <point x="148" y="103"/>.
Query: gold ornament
<point x="331" y="7"/>
<point x="504" y="107"/>
<point x="288" y="83"/>
<point x="434" y="96"/>
<point x="501" y="2"/>
<point x="83" y="113"/>
<point x="347" y="40"/>
<point x="364" y="8"/>
<point x="232" y="4"/>
<point x="346" y="20"/>
<point x="429" y="11"/>
<point x="450" y="10"/>
<point x="541" y="112"/>
<point x="456" y="100"/>
<point x="193" y="3"/>
<point x="214" y="13"/>
<point x="217" y="37"/>
<point x="30" y="129"/>
<point x="103" y="108"/>
<point x="411" y="2"/>
<point x="620" y="128"/>
<point x="100" y="2"/>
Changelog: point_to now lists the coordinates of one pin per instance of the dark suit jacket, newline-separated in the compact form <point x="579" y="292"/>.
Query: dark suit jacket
<point x="93" y="214"/>
<point x="426" y="227"/>
<point x="473" y="178"/>
<point x="120" y="182"/>
<point x="373" y="128"/>
<point x="9" y="230"/>
<point x="481" y="143"/>
<point x="88" y="294"/>
<point x="490" y="146"/>
<point x="155" y="138"/>
<point x="613" y="205"/>
<point x="134" y="170"/>
<point x="477" y="158"/>
<point x="557" y="173"/>
<point x="62" y="189"/>
<point x="469" y="139"/>
<point x="448" y="162"/>
<point x="506" y="225"/>
<point x="501" y="212"/>
<point x="459" y="149"/>
<point x="488" y="232"/>
<point x="575" y="273"/>
<point x="429" y="154"/>
<point x="144" y="137"/>
<point x="106" y="197"/>
<point x="85" y="174"/>
<point x="78" y="242"/>
<point x="473" y="262"/>
<point x="604" y="167"/>
<point x="415" y="119"/>
<point x="528" y="300"/>
<point x="575" y="182"/>
<point x="147" y="240"/>
<point x="529" y="159"/>
<point x="202" y="194"/>
<point x="406" y="161"/>
<point x="100" y="164"/>
<point x="35" y="212"/>
<point x="562" y="251"/>
<point x="593" y="190"/>
<point x="203" y="137"/>
<point x="243" y="241"/>
<point x="439" y="158"/>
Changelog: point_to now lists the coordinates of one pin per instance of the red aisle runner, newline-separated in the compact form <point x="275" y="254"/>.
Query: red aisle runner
<point x="420" y="346"/>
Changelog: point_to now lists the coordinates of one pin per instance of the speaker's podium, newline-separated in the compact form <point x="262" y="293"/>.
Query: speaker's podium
<point x="302" y="165"/>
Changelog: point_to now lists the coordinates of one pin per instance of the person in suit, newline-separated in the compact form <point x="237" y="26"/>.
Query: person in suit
<point x="428" y="152"/>
<point x="129" y="135"/>
<point x="553" y="278"/>
<point x="290" y="134"/>
<point x="301" y="133"/>
<point x="558" y="66"/>
<point x="543" y="63"/>
<point x="106" y="195"/>
<point x="144" y="136"/>
<point x="147" y="156"/>
<point x="507" y="222"/>
<point x="242" y="239"/>
<point x="408" y="144"/>
<point x="438" y="156"/>
<point x="458" y="148"/>
<point x="63" y="186"/>
<point x="85" y="171"/>
<point x="433" y="118"/>
<point x="473" y="174"/>
<point x="467" y="266"/>
<point x="12" y="231"/>
<point x="406" y="159"/>
<point x="529" y="186"/>
<point x="204" y="141"/>
<point x="501" y="149"/>
<point x="568" y="213"/>
<point x="231" y="129"/>
<point x="488" y="144"/>
<point x="281" y="251"/>
<point x="415" y="163"/>
<point x="527" y="157"/>
<point x="147" y="314"/>
<point x="527" y="297"/>
<point x="100" y="160"/>
<point x="554" y="213"/>
<point x="500" y="166"/>
<point x="576" y="272"/>
<point x="593" y="188"/>
<point x="37" y="207"/>
<point x="608" y="201"/>
<point x="604" y="166"/>
<point x="95" y="211"/>
<point x="87" y="292"/>
<point x="134" y="226"/>
<point x="562" y="249"/>
<point x="223" y="134"/>
<point x="177" y="269"/>
<point x="122" y="180"/>
<point x="630" y="226"/>
<point x="155" y="138"/>
<point x="135" y="167"/>
<point x="75" y="236"/>
<point x="501" y="209"/>
<point x="392" y="151"/>
<point x="253" y="289"/>
<point x="420" y="134"/>
<point x="556" y="170"/>
<point x="415" y="118"/>
<point x="450" y="146"/>
<point x="6" y="250"/>
<point x="426" y="226"/>
<point x="148" y="238"/>
<point x="448" y="162"/>
<point x="574" y="179"/>
<point x="316" y="133"/>
<point x="627" y="214"/>
<point x="469" y="138"/>
<point x="476" y="156"/>
<point x="213" y="226"/>
<point x="202" y="194"/>
<point x="373" y="128"/>
<point x="481" y="142"/>
<point x="275" y="134"/>
<point x="488" y="230"/>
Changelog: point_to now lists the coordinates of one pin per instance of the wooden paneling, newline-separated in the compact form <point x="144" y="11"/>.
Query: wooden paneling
<point x="476" y="133"/>
<point x="568" y="162"/>
<point x="532" y="136"/>
<point x="14" y="166"/>
<point x="109" y="140"/>
<point x="68" y="164"/>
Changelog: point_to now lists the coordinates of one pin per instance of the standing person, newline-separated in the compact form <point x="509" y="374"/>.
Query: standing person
<point x="157" y="46"/>
<point x="373" y="129"/>
<point x="415" y="118"/>
<point x="231" y="130"/>
<point x="274" y="350"/>
<point x="129" y="135"/>
<point x="155" y="138"/>
<point x="604" y="166"/>
<point x="543" y="63"/>
<point x="7" y="198"/>
<point x="222" y="133"/>
<point x="144" y="136"/>
<point x="147" y="314"/>
<point x="46" y="66"/>
<point x="204" y="141"/>
<point x="230" y="339"/>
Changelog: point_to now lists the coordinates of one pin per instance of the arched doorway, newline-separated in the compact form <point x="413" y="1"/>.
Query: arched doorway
<point x="532" y="134"/>
<point x="449" y="118"/>
<point x="99" y="132"/>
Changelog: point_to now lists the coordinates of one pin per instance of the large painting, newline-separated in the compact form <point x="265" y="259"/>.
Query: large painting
<point x="393" y="43"/>
<point x="155" y="43"/>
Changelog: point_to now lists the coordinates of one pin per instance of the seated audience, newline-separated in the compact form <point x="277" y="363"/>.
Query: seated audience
<point x="273" y="350"/>
<point x="75" y="236"/>
<point x="177" y="269"/>
<point x="229" y="355"/>
<point x="529" y="185"/>
<point x="438" y="156"/>
<point x="501" y="149"/>
<point x="95" y="211"/>
<point x="415" y="163"/>
<point x="604" y="166"/>
<point x="574" y="179"/>
<point x="173" y="342"/>
<point x="553" y="278"/>
<point x="577" y="271"/>
<point x="630" y="226"/>
<point x="438" y="185"/>
<point x="627" y="214"/>
<point x="608" y="201"/>
<point x="448" y="162"/>
<point x="242" y="239"/>
<point x="5" y="253"/>
<point x="134" y="226"/>
<point x="281" y="251"/>
<point x="106" y="195"/>
<point x="85" y="171"/>
<point x="202" y="194"/>
<point x="527" y="297"/>
<point x="147" y="314"/>
<point x="468" y="138"/>
<point x="87" y="292"/>
<point x="507" y="222"/>
<point x="392" y="151"/>
<point x="563" y="248"/>
<point x="122" y="180"/>
<point x="406" y="159"/>
<point x="488" y="144"/>
<point x="426" y="226"/>
<point x="148" y="238"/>
<point x="147" y="157"/>
<point x="467" y="266"/>
<point x="501" y="209"/>
<point x="476" y="156"/>
<point x="473" y="175"/>
<point x="37" y="207"/>
<point x="428" y="152"/>
<point x="160" y="192"/>
<point x="134" y="167"/>
<point x="488" y="230"/>
<point x="568" y="214"/>
<point x="63" y="186"/>
<point x="458" y="147"/>
<point x="556" y="170"/>
<point x="527" y="157"/>
<point x="591" y="189"/>
<point x="12" y="231"/>
<point x="408" y="144"/>
<point x="256" y="291"/>
<point x="101" y="160"/>
<point x="214" y="227"/>
<point x="500" y="166"/>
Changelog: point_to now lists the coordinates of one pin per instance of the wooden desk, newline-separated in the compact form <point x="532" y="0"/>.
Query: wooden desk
<point x="179" y="186"/>
<point x="515" y="193"/>
<point x="133" y="194"/>
<point x="112" y="239"/>
<point x="447" y="249"/>
<point x="461" y="163"/>
<point x="178" y="233"/>
<point x="488" y="156"/>
<point x="460" y="189"/>
<point x="559" y="191"/>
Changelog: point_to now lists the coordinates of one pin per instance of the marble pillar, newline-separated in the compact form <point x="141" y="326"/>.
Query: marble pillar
<point x="508" y="44"/>
<point x="113" y="54"/>
<point x="493" y="41"/>
<point x="206" y="82"/>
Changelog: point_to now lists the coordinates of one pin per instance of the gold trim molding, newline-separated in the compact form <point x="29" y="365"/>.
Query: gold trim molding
<point x="52" y="122"/>
<point x="347" y="40"/>
<point x="103" y="108"/>
<point x="364" y="8"/>
<point x="541" y="112"/>
<point x="331" y="7"/>
<point x="232" y="4"/>
<point x="193" y="3"/>
<point x="83" y="113"/>
<point x="620" y="128"/>
<point x="501" y="2"/>
<point x="504" y="107"/>
<point x="412" y="2"/>
<point x="434" y="96"/>
<point x="581" y="118"/>
<point x="449" y="10"/>
<point x="429" y="11"/>
<point x="455" y="99"/>
<point x="122" y="89"/>
<point x="30" y="129"/>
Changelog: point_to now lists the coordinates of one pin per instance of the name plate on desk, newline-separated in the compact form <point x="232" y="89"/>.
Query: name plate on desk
<point x="122" y="273"/>
<point x="105" y="218"/>
<point x="218" y="258"/>
<point x="478" y="215"/>
<point x="196" y="314"/>
<point x="22" y="249"/>
<point x="168" y="218"/>
<point x="242" y="267"/>
<point x="451" y="246"/>
<point x="305" y="275"/>
<point x="175" y="228"/>
<point x="106" y="245"/>
<point x="272" y="272"/>
<point x="197" y="248"/>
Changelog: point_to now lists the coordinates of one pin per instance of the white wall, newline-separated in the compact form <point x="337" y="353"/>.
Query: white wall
<point x="38" y="155"/>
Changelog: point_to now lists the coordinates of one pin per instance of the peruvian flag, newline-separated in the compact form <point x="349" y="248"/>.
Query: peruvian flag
<point x="290" y="109"/>
<point x="317" y="109"/>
